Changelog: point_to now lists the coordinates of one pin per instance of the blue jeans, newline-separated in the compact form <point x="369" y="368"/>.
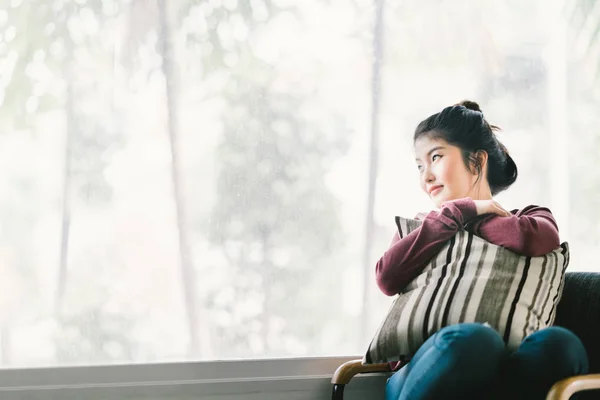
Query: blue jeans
<point x="470" y="361"/>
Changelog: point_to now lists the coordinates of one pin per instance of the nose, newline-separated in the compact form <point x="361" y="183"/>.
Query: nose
<point x="428" y="177"/>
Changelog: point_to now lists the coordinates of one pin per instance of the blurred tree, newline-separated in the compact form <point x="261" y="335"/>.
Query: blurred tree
<point x="92" y="134"/>
<point x="27" y="55"/>
<point x="43" y="42"/>
<point x="188" y="272"/>
<point x="48" y="41"/>
<point x="168" y="19"/>
<point x="274" y="217"/>
<point x="161" y="17"/>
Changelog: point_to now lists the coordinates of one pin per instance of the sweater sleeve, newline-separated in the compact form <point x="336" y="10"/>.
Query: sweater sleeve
<point x="407" y="256"/>
<point x="531" y="231"/>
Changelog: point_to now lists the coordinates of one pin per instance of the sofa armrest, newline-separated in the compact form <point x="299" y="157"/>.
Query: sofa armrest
<point x="564" y="389"/>
<point x="345" y="372"/>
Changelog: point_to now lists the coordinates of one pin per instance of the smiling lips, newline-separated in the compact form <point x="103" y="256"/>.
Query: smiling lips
<point x="435" y="190"/>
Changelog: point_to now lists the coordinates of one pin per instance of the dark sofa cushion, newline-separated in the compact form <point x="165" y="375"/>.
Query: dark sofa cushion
<point x="579" y="311"/>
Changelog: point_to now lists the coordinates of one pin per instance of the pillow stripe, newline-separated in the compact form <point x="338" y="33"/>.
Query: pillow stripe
<point x="538" y="294"/>
<point x="461" y="273"/>
<point x="516" y="299"/>
<point x="412" y="225"/>
<point x="565" y="250"/>
<point x="390" y="345"/>
<point x="398" y="224"/>
<point x="413" y="315"/>
<point x="499" y="286"/>
<point x="551" y="283"/>
<point x="482" y="256"/>
<point x="561" y="284"/>
<point x="442" y="299"/>
<point x="437" y="287"/>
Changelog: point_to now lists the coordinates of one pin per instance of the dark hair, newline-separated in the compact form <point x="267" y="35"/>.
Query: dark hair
<point x="463" y="125"/>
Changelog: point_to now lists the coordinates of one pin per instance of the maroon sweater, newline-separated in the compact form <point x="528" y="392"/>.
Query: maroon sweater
<point x="531" y="231"/>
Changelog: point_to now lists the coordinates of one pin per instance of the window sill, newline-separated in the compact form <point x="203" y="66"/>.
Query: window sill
<point x="301" y="378"/>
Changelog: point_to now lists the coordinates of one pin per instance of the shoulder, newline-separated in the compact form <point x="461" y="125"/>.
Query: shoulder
<point x="533" y="210"/>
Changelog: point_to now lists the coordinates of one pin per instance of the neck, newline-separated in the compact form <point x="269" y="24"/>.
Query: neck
<point x="481" y="192"/>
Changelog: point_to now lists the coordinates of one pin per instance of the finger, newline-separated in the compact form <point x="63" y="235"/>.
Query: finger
<point x="505" y="213"/>
<point x="502" y="212"/>
<point x="497" y="210"/>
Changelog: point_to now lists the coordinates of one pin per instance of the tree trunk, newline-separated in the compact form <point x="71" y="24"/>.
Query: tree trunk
<point x="373" y="165"/>
<point x="186" y="264"/>
<point x="66" y="190"/>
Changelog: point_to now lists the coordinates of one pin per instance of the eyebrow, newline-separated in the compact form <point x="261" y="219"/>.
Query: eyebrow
<point x="431" y="151"/>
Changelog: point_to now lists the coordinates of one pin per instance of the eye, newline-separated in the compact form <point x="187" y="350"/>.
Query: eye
<point x="420" y="168"/>
<point x="436" y="155"/>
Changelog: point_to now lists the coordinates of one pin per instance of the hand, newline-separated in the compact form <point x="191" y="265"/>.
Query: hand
<point x="490" y="207"/>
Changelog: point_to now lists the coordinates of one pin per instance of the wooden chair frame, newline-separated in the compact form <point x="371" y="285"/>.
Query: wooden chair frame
<point x="561" y="390"/>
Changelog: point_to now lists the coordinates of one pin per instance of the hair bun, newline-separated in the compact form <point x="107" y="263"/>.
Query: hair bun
<point x="471" y="105"/>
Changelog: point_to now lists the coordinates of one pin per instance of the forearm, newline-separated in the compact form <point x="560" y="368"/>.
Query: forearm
<point x="531" y="232"/>
<point x="408" y="255"/>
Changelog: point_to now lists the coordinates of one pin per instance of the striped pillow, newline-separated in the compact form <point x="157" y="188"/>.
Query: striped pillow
<point x="471" y="280"/>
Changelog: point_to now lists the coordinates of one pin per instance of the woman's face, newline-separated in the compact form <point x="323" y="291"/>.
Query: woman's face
<point x="443" y="173"/>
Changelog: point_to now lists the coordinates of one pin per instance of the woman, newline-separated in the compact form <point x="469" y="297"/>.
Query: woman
<point x="462" y="165"/>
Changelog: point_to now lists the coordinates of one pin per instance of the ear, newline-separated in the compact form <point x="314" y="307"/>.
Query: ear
<point x="482" y="156"/>
<point x="478" y="162"/>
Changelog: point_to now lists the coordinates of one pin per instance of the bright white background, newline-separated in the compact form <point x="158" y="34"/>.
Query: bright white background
<point x="227" y="220"/>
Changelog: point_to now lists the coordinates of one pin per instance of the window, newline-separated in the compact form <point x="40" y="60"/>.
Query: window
<point x="188" y="180"/>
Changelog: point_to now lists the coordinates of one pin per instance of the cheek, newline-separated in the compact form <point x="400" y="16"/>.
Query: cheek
<point x="463" y="178"/>
<point x="421" y="182"/>
<point x="452" y="177"/>
<point x="443" y="172"/>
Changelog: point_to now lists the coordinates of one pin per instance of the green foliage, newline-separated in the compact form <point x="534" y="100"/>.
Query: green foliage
<point x="208" y="18"/>
<point x="272" y="158"/>
<point x="34" y="28"/>
<point x="36" y="37"/>
<point x="43" y="47"/>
